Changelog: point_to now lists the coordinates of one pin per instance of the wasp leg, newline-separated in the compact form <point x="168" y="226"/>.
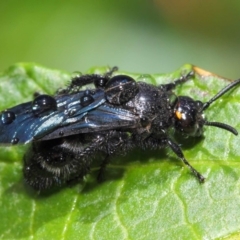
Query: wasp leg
<point x="79" y="81"/>
<point x="155" y="143"/>
<point x="182" y="79"/>
<point x="117" y="143"/>
<point x="103" y="165"/>
<point x="48" y="164"/>
<point x="177" y="150"/>
<point x="55" y="162"/>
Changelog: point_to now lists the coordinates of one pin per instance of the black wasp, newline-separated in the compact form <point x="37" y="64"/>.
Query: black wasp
<point x="74" y="126"/>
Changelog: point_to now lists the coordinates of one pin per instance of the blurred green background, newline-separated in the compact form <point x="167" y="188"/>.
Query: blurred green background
<point x="138" y="36"/>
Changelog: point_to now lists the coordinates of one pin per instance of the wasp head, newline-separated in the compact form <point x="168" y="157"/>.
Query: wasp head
<point x="189" y="119"/>
<point x="189" y="114"/>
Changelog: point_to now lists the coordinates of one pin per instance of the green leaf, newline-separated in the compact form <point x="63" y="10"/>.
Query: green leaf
<point x="147" y="194"/>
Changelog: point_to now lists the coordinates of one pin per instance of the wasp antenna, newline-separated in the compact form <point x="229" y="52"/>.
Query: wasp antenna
<point x="219" y="94"/>
<point x="223" y="126"/>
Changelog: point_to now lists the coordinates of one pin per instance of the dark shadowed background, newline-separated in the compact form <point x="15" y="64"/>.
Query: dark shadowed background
<point x="138" y="36"/>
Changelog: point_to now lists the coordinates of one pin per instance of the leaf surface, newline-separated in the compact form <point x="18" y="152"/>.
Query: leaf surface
<point x="147" y="194"/>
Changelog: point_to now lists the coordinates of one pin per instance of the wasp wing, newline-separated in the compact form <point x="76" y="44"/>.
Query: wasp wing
<point x="70" y="118"/>
<point x="104" y="117"/>
<point x="26" y="126"/>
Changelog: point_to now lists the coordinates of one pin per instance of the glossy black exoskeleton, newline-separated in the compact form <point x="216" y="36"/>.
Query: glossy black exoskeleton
<point x="71" y="128"/>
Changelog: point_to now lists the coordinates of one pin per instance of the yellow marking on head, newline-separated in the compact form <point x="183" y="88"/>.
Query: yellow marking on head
<point x="178" y="115"/>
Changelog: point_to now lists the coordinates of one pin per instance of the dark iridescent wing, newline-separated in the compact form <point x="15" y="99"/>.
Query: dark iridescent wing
<point x="104" y="117"/>
<point x="20" y="125"/>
